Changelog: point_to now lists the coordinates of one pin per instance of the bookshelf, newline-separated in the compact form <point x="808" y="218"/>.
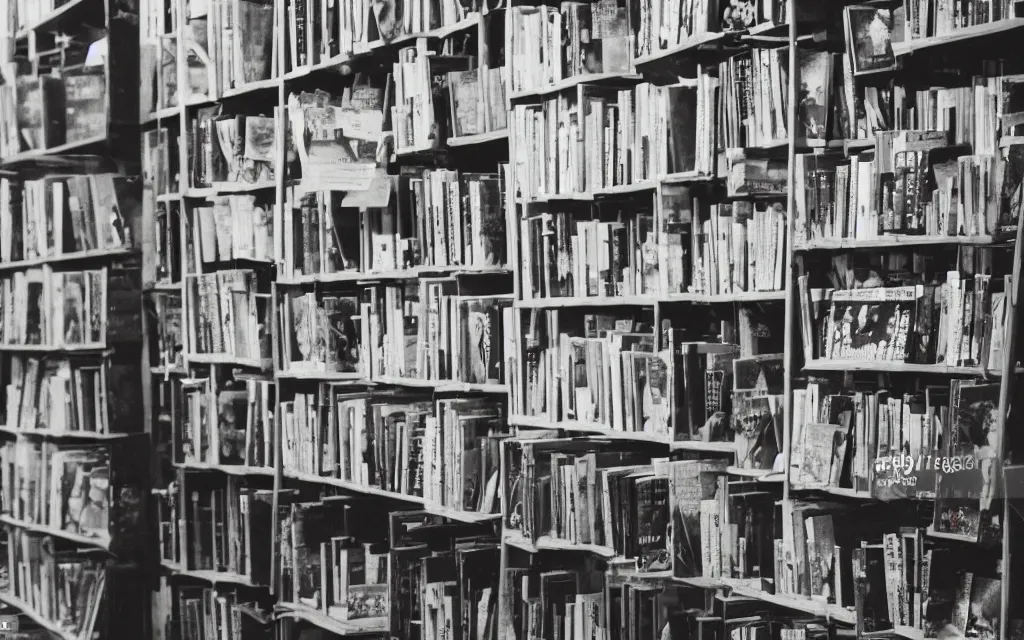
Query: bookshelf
<point x="72" y="443"/>
<point x="635" y="227"/>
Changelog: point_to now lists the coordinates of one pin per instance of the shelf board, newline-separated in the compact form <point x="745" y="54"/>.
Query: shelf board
<point x="353" y="487"/>
<point x="56" y="16"/>
<point x="685" y="177"/>
<point x="575" y="196"/>
<point x="396" y="274"/>
<point x="327" y="376"/>
<point x="725" y="298"/>
<point x="49" y="348"/>
<point x="251" y="87"/>
<point x="226" y="359"/>
<point x="226" y="188"/>
<point x="212" y="577"/>
<point x="685" y="49"/>
<point x="883" y="366"/>
<point x="547" y="543"/>
<point x="750" y="589"/>
<point x="460" y="515"/>
<point x="478" y="138"/>
<point x="168" y="197"/>
<point x="67" y="147"/>
<point x="844" y="492"/>
<point x="53" y="532"/>
<point x="573" y="81"/>
<point x="164" y="371"/>
<point x="622" y="189"/>
<point x="322" y="620"/>
<point x="161" y="114"/>
<point x="761" y="475"/>
<point x="229" y="469"/>
<point x="75" y="256"/>
<point x="442" y="386"/>
<point x="895" y="240"/>
<point x="593" y="301"/>
<point x="978" y="32"/>
<point x="700" y="445"/>
<point x="36" y="617"/>
<point x="61" y="433"/>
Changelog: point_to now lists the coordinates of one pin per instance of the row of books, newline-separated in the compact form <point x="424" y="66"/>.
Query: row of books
<point x="477" y="99"/>
<point x="427" y="331"/>
<point x="71" y="396"/>
<point x="597" y="137"/>
<point x="47" y="111"/>
<point x="232" y="426"/>
<point x="228" y="228"/>
<point x="212" y="613"/>
<point x="436" y="217"/>
<point x="669" y="23"/>
<point x="940" y="443"/>
<point x="61" y="309"/>
<point x="64" y="488"/>
<point x="166" y="338"/>
<point x="929" y="18"/>
<point x="959" y="322"/>
<point x="65" y="214"/>
<point x="426" y="91"/>
<point x="573" y="42"/>
<point x="67" y="588"/>
<point x="928" y="189"/>
<point x="223" y="529"/>
<point x="227" y="315"/>
<point x="319" y="30"/>
<point x="220" y="48"/>
<point x="445" y="451"/>
<point x="231" y="148"/>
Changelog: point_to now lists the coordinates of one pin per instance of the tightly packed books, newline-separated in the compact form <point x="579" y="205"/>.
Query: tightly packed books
<point x="65" y="214"/>
<point x="926" y="187"/>
<point x="63" y="488"/>
<point x="230" y="427"/>
<point x="332" y="561"/>
<point x="67" y="588"/>
<point x="71" y="396"/>
<point x="422" y="113"/>
<point x="227" y="315"/>
<point x="52" y="110"/>
<point x="222" y="528"/>
<point x="929" y="18"/>
<point x="934" y="444"/>
<point x="426" y="331"/>
<point x="165" y="310"/>
<point x="70" y="309"/>
<point x="228" y="228"/>
<point x="959" y="322"/>
<point x="320" y="30"/>
<point x="754" y="99"/>
<point x="167" y="219"/>
<point x="321" y="333"/>
<point x="477" y="101"/>
<point x="231" y="148"/>
<point x="205" y="613"/>
<point x="665" y="24"/>
<point x="573" y="42"/>
<point x="334" y="142"/>
<point x="444" y="576"/>
<point x="228" y="44"/>
<point x="444" y="451"/>
<point x="597" y="137"/>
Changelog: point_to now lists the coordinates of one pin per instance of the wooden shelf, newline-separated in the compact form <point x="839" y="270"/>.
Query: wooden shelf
<point x="977" y="32"/>
<point x="166" y="113"/>
<point x="69" y="536"/>
<point x="443" y="386"/>
<point x="229" y="469"/>
<point x="81" y="146"/>
<point x="72" y="435"/>
<point x="700" y="445"/>
<point x="397" y="274"/>
<point x="572" y="82"/>
<point x="547" y="543"/>
<point x="883" y="366"/>
<point x="227" y="188"/>
<point x="36" y="617"/>
<point x="595" y="301"/>
<point x="684" y="49"/>
<point x="896" y="241"/>
<point x="226" y="359"/>
<point x="211" y="577"/>
<point x="76" y="256"/>
<point x="322" y="620"/>
<point x="326" y="376"/>
<point x="478" y="138"/>
<point x="60" y="14"/>
<point x="252" y="87"/>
